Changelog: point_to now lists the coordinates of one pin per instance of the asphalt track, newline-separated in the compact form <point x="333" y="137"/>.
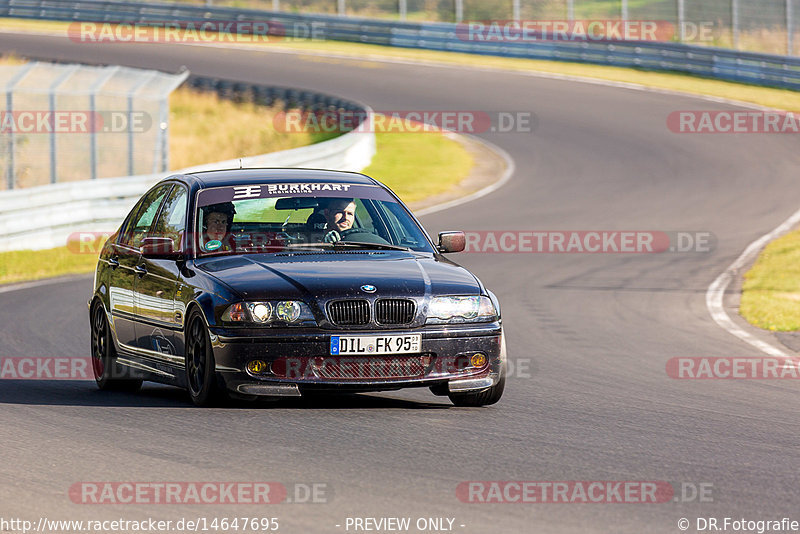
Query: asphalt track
<point x="597" y="328"/>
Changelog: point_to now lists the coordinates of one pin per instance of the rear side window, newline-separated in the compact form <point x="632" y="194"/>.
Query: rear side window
<point x="140" y="223"/>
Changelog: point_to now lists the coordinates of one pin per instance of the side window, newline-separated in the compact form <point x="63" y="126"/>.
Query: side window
<point x="363" y="217"/>
<point x="139" y="225"/>
<point x="172" y="221"/>
<point x="408" y="235"/>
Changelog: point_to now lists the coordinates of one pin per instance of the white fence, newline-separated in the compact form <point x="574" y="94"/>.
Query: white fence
<point x="44" y="217"/>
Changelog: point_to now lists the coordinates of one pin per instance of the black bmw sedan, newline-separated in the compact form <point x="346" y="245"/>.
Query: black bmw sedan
<point x="286" y="282"/>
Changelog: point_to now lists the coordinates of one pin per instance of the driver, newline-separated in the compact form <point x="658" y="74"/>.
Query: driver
<point x="339" y="215"/>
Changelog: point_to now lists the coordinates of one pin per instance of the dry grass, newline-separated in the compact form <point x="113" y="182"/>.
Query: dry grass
<point x="206" y="128"/>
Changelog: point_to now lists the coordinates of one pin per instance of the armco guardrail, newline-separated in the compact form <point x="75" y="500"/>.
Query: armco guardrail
<point x="45" y="217"/>
<point x="748" y="67"/>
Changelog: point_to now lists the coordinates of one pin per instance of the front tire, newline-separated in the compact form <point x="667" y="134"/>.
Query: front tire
<point x="482" y="398"/>
<point x="201" y="375"/>
<point x="490" y="395"/>
<point x="108" y="374"/>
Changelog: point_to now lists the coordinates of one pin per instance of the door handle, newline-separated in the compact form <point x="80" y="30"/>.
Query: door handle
<point x="141" y="270"/>
<point x="113" y="262"/>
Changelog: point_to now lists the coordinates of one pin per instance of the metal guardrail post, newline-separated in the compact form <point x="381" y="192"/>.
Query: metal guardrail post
<point x="570" y="10"/>
<point x="402" y="9"/>
<point x="624" y="10"/>
<point x="92" y="112"/>
<point x="682" y="20"/>
<point x="459" y="9"/>
<point x="10" y="170"/>
<point x="341" y="7"/>
<point x="52" y="101"/>
<point x="163" y="125"/>
<point x="789" y="28"/>
<point x="141" y="83"/>
<point x="276" y="5"/>
<point x="515" y="10"/>
<point x="163" y="140"/>
<point x="735" y="23"/>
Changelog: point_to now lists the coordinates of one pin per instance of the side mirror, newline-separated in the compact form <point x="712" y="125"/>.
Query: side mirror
<point x="159" y="248"/>
<point x="452" y="241"/>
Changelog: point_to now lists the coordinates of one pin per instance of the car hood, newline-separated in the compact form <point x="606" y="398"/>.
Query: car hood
<point x="324" y="275"/>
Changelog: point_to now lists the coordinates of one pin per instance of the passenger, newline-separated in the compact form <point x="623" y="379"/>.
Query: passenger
<point x="217" y="223"/>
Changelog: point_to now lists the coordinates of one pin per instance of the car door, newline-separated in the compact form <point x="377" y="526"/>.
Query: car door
<point x="125" y="264"/>
<point x="157" y="282"/>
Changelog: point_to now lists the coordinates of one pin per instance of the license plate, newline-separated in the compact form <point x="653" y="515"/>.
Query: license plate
<point x="407" y="344"/>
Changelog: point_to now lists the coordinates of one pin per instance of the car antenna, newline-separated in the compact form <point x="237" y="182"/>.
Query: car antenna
<point x="240" y="163"/>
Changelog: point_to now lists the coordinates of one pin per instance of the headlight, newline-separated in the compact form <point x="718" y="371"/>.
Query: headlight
<point x="261" y="311"/>
<point x="461" y="310"/>
<point x="290" y="312"/>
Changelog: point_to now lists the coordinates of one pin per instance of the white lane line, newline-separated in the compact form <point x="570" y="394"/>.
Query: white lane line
<point x="716" y="291"/>
<point x="46" y="282"/>
<point x="510" y="167"/>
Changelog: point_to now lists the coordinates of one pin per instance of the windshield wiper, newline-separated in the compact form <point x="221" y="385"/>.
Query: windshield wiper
<point x="361" y="244"/>
<point x="350" y="244"/>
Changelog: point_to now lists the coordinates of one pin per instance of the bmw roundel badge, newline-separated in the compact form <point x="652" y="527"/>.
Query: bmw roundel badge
<point x="367" y="288"/>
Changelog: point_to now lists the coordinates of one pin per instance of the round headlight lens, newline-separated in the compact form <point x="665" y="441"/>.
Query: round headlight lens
<point x="261" y="312"/>
<point x="288" y="311"/>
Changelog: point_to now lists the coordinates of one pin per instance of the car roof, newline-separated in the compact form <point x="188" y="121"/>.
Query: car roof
<point x="224" y="177"/>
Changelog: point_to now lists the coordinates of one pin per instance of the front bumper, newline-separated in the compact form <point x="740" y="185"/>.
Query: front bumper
<point x="439" y="365"/>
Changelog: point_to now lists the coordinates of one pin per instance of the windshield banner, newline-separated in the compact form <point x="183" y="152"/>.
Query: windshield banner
<point x="217" y="195"/>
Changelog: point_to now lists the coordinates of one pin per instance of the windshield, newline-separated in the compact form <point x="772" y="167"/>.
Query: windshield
<point x="280" y="217"/>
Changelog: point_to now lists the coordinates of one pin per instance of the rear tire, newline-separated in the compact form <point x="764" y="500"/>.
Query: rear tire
<point x="108" y="374"/>
<point x="201" y="375"/>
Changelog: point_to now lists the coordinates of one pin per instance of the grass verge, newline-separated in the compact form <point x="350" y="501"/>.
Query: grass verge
<point x="200" y="119"/>
<point x="771" y="289"/>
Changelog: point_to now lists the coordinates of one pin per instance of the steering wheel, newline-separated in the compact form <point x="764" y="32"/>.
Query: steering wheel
<point x="353" y="231"/>
<point x="373" y="236"/>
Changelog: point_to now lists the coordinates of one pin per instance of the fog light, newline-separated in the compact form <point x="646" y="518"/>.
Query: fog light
<point x="478" y="360"/>
<point x="257" y="366"/>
